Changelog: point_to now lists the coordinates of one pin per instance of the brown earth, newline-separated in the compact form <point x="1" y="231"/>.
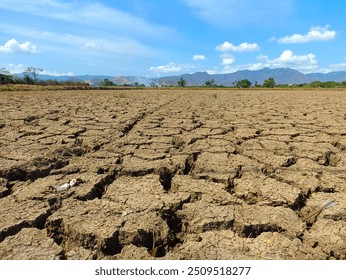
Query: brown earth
<point x="172" y="174"/>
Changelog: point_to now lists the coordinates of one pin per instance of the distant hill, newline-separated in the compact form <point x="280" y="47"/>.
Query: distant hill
<point x="96" y="79"/>
<point x="339" y="76"/>
<point x="280" y="75"/>
<point x="131" y="80"/>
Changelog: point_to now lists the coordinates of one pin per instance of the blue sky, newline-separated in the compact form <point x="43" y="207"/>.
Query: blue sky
<point x="155" y="38"/>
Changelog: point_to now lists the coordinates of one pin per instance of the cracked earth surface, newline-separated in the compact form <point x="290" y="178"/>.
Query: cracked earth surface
<point x="172" y="174"/>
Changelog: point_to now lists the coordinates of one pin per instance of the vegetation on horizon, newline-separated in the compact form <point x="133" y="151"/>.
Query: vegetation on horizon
<point x="31" y="77"/>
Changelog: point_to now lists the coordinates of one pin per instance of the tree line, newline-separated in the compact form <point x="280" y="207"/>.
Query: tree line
<point x="269" y="83"/>
<point x="245" y="83"/>
<point x="31" y="77"/>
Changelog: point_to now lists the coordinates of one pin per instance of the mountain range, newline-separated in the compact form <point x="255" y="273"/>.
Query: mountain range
<point x="280" y="75"/>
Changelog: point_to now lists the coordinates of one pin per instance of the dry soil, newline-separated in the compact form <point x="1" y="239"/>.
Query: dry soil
<point x="173" y="174"/>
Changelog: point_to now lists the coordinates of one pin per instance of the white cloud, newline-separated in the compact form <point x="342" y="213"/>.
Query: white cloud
<point x="97" y="28"/>
<point x="92" y="46"/>
<point x="337" y="67"/>
<point x="171" y="68"/>
<point x="303" y="63"/>
<point x="243" y="47"/>
<point x="198" y="57"/>
<point x="91" y="14"/>
<point x="57" y="73"/>
<point x="12" y="46"/>
<point x="68" y="43"/>
<point x="231" y="13"/>
<point x="20" y="68"/>
<point x="315" y="34"/>
<point x="227" y="59"/>
<point x="16" y="69"/>
<point x="234" y="68"/>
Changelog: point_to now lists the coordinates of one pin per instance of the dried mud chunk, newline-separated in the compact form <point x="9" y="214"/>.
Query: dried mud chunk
<point x="41" y="189"/>
<point x="246" y="133"/>
<point x="333" y="180"/>
<point x="306" y="181"/>
<point x="199" y="217"/>
<point x="270" y="158"/>
<point x="336" y="212"/>
<point x="215" y="145"/>
<point x="226" y="245"/>
<point x="131" y="212"/>
<point x="132" y="252"/>
<point x="265" y="191"/>
<point x="208" y="192"/>
<point x="67" y="152"/>
<point x="253" y="220"/>
<point x="185" y="124"/>
<point x="144" y="230"/>
<point x="31" y="170"/>
<point x="135" y="166"/>
<point x="221" y="167"/>
<point x="142" y="194"/>
<point x="331" y="159"/>
<point x="94" y="182"/>
<point x="211" y="245"/>
<point x="305" y="165"/>
<point x="14" y="216"/>
<point x="161" y="140"/>
<point x="277" y="146"/>
<point x="328" y="237"/>
<point x="30" y="244"/>
<point x="136" y="194"/>
<point x="149" y="154"/>
<point x="161" y="132"/>
<point x="275" y="246"/>
<point x="94" y="225"/>
<point x="80" y="253"/>
<point x="147" y="210"/>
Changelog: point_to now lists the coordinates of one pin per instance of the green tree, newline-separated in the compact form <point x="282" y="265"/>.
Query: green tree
<point x="269" y="83"/>
<point x="210" y="83"/>
<point x="329" y="84"/>
<point x="242" y="83"/>
<point x="316" y="84"/>
<point x="31" y="75"/>
<point x="5" y="76"/>
<point x="106" y="83"/>
<point x="181" y="82"/>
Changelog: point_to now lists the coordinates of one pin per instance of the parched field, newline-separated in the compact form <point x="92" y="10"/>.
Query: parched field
<point x="172" y="174"/>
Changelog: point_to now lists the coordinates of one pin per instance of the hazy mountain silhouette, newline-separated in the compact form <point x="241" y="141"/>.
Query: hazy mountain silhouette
<point x="280" y="75"/>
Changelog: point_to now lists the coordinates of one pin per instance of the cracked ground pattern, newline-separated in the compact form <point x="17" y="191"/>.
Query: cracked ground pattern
<point x="173" y="174"/>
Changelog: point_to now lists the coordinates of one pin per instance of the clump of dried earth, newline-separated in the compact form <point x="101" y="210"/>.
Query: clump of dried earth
<point x="172" y="174"/>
